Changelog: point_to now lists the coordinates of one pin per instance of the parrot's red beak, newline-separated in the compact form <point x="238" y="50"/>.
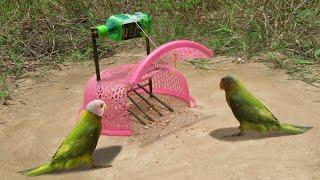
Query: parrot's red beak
<point x="221" y="85"/>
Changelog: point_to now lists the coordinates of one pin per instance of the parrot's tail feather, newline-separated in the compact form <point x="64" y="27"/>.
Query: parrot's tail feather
<point x="42" y="169"/>
<point x="293" y="129"/>
<point x="26" y="170"/>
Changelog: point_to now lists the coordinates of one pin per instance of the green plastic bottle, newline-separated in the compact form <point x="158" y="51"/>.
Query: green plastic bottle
<point x="125" y="26"/>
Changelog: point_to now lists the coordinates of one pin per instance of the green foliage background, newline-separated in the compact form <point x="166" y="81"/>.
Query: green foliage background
<point x="35" y="33"/>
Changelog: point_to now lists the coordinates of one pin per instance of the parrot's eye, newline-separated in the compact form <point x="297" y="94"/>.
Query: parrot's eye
<point x="101" y="105"/>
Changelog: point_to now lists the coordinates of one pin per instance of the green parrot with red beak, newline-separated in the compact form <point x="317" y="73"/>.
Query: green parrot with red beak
<point x="250" y="112"/>
<point x="77" y="148"/>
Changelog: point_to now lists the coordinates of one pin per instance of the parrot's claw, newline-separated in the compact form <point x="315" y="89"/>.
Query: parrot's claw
<point x="100" y="166"/>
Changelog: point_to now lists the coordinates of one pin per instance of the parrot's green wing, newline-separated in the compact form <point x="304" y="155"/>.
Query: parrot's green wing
<point x="245" y="107"/>
<point x="82" y="139"/>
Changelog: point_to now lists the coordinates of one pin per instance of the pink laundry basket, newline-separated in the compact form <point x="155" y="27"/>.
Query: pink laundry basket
<point x="158" y="66"/>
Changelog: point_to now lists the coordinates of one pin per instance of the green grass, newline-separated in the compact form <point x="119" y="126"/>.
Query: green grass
<point x="40" y="32"/>
<point x="4" y="92"/>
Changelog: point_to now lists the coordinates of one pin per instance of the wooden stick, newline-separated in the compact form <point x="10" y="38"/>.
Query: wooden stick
<point x="136" y="116"/>
<point x="145" y="100"/>
<point x="155" y="97"/>
<point x="150" y="118"/>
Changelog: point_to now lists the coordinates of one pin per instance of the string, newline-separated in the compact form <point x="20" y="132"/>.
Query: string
<point x="146" y="35"/>
<point x="175" y="55"/>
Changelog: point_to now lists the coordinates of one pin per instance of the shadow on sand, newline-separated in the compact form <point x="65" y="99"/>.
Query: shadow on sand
<point x="225" y="134"/>
<point x="102" y="157"/>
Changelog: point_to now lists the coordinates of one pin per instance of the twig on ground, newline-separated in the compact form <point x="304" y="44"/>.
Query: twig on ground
<point x="306" y="80"/>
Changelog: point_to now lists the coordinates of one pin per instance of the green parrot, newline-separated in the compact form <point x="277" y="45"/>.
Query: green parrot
<point x="250" y="112"/>
<point x="77" y="148"/>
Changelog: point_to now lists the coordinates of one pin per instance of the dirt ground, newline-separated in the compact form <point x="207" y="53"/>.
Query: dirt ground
<point x="43" y="110"/>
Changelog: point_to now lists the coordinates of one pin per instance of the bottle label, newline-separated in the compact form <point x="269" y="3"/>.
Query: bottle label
<point x="131" y="31"/>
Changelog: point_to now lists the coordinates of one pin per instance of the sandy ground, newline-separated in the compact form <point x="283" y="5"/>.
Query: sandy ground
<point x="165" y="125"/>
<point x="43" y="112"/>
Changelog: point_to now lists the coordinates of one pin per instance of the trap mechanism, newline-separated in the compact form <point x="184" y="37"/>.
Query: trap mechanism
<point x="153" y="74"/>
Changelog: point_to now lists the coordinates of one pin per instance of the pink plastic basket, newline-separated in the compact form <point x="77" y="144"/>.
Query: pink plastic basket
<point x="158" y="66"/>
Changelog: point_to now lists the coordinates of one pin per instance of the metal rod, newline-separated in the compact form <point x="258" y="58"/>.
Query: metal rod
<point x="150" y="118"/>
<point x="145" y="100"/>
<point x="94" y="35"/>
<point x="145" y="90"/>
<point x="136" y="116"/>
<point x="136" y="88"/>
<point x="150" y="87"/>
<point x="148" y="45"/>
